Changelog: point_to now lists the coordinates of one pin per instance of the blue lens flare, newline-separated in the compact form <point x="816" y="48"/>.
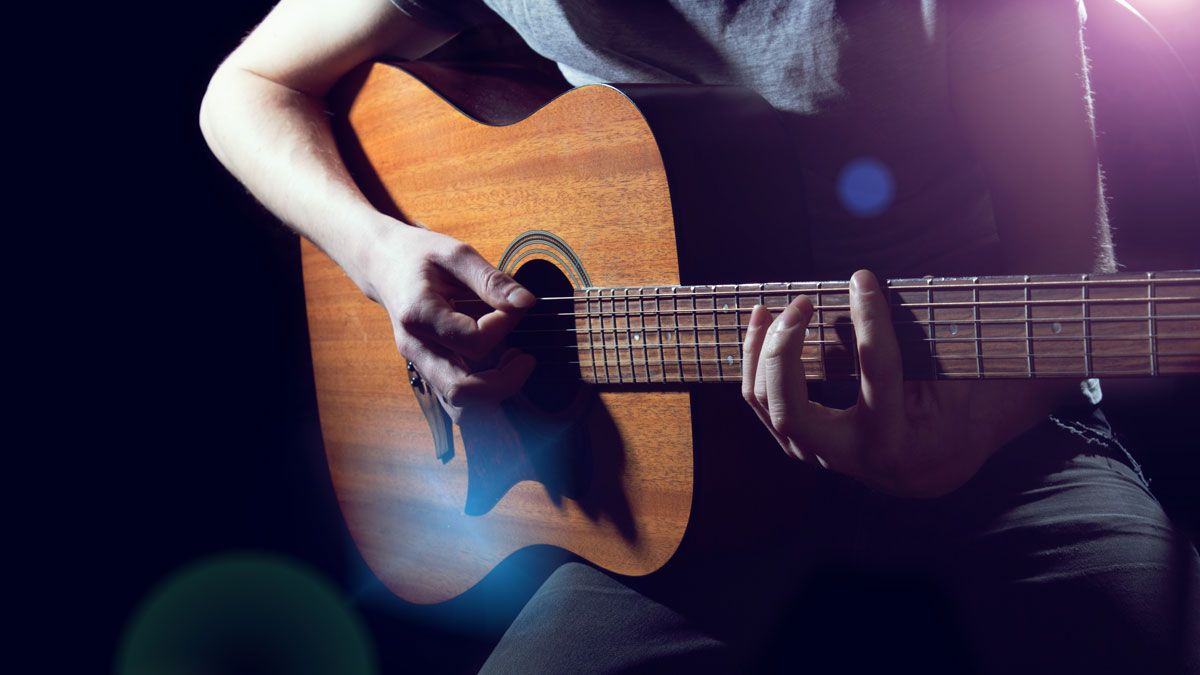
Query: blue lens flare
<point x="866" y="187"/>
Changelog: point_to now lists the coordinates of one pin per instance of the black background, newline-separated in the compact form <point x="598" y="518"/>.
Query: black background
<point x="177" y="416"/>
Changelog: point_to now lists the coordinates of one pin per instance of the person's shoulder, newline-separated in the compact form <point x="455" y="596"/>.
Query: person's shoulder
<point x="446" y="15"/>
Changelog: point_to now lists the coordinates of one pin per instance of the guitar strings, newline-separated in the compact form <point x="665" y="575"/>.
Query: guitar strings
<point x="674" y="377"/>
<point x="965" y="321"/>
<point x="730" y="359"/>
<point x="903" y="340"/>
<point x="695" y="370"/>
<point x="832" y="308"/>
<point x="749" y="290"/>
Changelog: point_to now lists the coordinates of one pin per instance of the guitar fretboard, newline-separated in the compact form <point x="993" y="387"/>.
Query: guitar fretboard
<point x="1091" y="325"/>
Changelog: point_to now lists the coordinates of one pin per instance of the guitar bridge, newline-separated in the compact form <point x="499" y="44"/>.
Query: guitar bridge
<point x="440" y="424"/>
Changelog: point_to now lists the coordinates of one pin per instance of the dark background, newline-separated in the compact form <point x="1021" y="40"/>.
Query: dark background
<point x="183" y="423"/>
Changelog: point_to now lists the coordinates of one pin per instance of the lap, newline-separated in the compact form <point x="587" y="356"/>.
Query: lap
<point x="582" y="620"/>
<point x="1055" y="554"/>
<point x="1066" y="559"/>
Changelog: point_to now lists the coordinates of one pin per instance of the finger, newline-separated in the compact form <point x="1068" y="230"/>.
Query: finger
<point x="454" y="330"/>
<point x="508" y="355"/>
<point x="473" y="338"/>
<point x="491" y="285"/>
<point x="814" y="433"/>
<point x="882" y="378"/>
<point x="494" y="326"/>
<point x="783" y="374"/>
<point x="458" y="387"/>
<point x="756" y="331"/>
<point x="754" y="387"/>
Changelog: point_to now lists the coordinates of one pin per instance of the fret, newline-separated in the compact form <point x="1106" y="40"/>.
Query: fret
<point x="627" y="316"/>
<point x="787" y="300"/>
<point x="604" y="338"/>
<point x="611" y="312"/>
<point x="1028" y="332"/>
<point x="615" y="317"/>
<point x="729" y="329"/>
<point x="819" y="313"/>
<point x="1150" y="323"/>
<point x="1087" y="333"/>
<point x="675" y="319"/>
<point x="630" y="336"/>
<point x="737" y="321"/>
<point x="851" y="347"/>
<point x="587" y="294"/>
<point x="696" y="337"/>
<point x="762" y="300"/>
<point x="618" y="332"/>
<point x="975" y="321"/>
<point x="662" y="357"/>
<point x="629" y="339"/>
<point x="642" y="334"/>
<point x="716" y="336"/>
<point x="635" y="334"/>
<point x="934" y="367"/>
<point x="787" y="294"/>
<point x="611" y="332"/>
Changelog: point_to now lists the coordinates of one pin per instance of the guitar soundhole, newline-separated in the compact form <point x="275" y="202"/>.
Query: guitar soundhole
<point x="548" y="333"/>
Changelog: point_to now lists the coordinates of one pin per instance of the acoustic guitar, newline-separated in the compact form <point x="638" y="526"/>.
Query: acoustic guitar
<point x="645" y="218"/>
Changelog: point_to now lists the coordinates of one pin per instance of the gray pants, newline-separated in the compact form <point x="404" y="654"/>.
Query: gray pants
<point x="1054" y="557"/>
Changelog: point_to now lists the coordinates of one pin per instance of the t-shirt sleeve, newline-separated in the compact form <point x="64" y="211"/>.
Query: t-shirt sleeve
<point x="986" y="35"/>
<point x="447" y="15"/>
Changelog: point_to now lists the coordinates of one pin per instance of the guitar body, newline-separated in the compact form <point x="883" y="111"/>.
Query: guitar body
<point x="598" y="187"/>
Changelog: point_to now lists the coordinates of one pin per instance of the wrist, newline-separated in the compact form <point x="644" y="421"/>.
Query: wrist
<point x="367" y="249"/>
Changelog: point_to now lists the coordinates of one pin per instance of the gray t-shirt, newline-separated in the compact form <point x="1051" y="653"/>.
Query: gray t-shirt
<point x="864" y="86"/>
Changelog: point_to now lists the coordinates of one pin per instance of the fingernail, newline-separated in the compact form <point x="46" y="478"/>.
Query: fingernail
<point x="521" y="298"/>
<point x="863" y="282"/>
<point x="757" y="317"/>
<point x="789" y="318"/>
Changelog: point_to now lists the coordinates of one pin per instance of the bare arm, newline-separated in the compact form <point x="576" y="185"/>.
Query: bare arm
<point x="263" y="114"/>
<point x="264" y="118"/>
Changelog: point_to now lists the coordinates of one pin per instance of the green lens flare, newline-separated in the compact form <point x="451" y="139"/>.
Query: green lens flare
<point x="246" y="613"/>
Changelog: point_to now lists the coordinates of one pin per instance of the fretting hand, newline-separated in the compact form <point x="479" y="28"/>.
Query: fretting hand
<point x="912" y="439"/>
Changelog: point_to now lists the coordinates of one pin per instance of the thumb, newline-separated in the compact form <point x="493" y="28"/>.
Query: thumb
<point x="491" y="285"/>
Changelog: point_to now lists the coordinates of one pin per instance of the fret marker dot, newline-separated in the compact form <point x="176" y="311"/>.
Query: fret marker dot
<point x="637" y="336"/>
<point x="726" y="306"/>
<point x="729" y="360"/>
<point x="1056" y="327"/>
<point x="954" y="329"/>
<point x="807" y="332"/>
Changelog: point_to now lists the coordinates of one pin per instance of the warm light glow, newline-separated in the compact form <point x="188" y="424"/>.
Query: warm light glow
<point x="1158" y="7"/>
<point x="1149" y="4"/>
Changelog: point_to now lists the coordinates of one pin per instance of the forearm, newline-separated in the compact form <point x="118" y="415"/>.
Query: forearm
<point x="278" y="143"/>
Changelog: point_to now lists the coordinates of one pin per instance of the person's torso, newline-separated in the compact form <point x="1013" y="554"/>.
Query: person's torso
<point x="863" y="87"/>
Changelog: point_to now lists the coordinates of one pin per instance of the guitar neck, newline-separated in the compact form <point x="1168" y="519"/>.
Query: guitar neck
<point x="1046" y="326"/>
